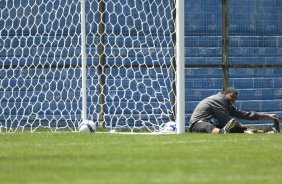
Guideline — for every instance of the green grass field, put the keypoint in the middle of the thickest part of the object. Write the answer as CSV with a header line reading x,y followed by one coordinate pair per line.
x,y
106,158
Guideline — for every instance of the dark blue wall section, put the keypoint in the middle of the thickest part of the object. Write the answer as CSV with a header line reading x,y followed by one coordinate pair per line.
x,y
254,39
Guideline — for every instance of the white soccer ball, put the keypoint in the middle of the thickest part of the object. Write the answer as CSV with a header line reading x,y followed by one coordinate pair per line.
x,y
87,126
169,127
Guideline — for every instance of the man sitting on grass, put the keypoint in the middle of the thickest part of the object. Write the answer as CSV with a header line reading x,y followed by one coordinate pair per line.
x,y
213,114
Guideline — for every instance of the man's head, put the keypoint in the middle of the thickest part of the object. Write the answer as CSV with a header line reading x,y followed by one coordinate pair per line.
x,y
231,95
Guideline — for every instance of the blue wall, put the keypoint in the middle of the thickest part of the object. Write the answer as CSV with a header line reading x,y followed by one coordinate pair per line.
x,y
254,38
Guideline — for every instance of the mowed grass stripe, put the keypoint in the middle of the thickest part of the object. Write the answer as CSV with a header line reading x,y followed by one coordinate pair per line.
x,y
107,158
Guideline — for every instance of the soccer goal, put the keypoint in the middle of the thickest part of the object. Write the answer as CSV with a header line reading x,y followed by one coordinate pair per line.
x,y
119,63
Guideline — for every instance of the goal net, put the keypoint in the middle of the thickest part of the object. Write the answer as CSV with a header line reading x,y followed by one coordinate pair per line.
x,y
130,64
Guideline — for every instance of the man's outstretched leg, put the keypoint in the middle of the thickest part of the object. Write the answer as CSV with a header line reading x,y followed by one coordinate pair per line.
x,y
227,128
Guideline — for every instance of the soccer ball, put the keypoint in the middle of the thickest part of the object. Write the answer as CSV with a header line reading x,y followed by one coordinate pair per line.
x,y
169,127
87,126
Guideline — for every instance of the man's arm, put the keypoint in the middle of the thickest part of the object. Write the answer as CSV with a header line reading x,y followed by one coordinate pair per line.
x,y
268,116
237,113
251,115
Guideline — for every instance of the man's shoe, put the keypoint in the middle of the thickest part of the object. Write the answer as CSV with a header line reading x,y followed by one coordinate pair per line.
x,y
276,126
229,126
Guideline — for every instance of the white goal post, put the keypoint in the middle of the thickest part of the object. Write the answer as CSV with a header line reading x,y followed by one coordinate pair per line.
x,y
180,67
119,63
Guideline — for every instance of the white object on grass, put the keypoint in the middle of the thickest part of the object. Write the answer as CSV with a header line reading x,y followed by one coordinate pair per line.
x,y
87,126
169,128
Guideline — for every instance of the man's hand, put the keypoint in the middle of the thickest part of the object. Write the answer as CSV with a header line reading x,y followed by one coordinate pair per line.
x,y
273,116
269,116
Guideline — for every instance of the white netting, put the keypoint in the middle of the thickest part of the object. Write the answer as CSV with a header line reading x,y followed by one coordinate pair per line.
x,y
40,70
137,44
130,51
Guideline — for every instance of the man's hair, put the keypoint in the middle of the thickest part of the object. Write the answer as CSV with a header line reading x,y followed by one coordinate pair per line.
x,y
231,90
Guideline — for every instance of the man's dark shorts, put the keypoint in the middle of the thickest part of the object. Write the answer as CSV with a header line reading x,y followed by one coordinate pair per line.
x,y
206,127
202,127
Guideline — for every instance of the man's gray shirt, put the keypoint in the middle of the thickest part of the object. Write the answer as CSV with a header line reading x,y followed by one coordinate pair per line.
x,y
216,106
